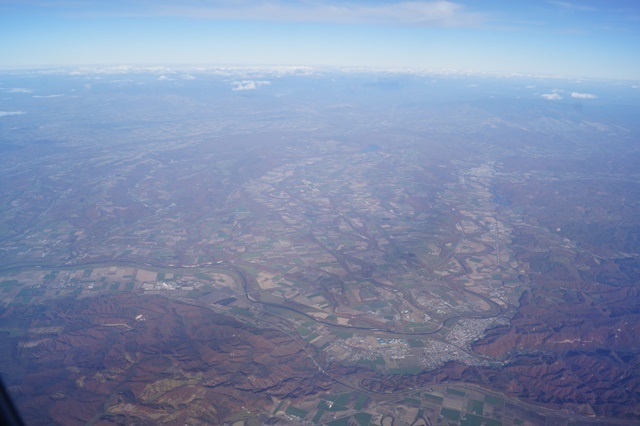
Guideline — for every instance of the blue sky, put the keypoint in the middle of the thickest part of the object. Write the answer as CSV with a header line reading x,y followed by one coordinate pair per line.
x,y
599,39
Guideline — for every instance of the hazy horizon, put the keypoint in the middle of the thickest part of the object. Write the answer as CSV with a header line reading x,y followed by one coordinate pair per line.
x,y
588,39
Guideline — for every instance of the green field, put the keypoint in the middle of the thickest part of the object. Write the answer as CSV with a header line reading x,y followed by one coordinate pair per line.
x,y
361,400
303,331
340,422
7,285
494,400
322,405
415,343
411,401
293,411
476,407
241,311
51,275
317,417
363,419
455,392
433,398
405,370
343,334
450,414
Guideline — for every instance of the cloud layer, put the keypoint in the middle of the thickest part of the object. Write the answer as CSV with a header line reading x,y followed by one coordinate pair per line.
x,y
573,7
441,13
7,113
551,96
18,90
583,95
248,84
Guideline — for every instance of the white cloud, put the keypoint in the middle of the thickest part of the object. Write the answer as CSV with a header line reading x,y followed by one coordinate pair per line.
x,y
431,13
551,96
573,6
192,72
248,84
583,95
18,90
163,78
7,113
530,87
46,96
635,86
439,13
120,69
